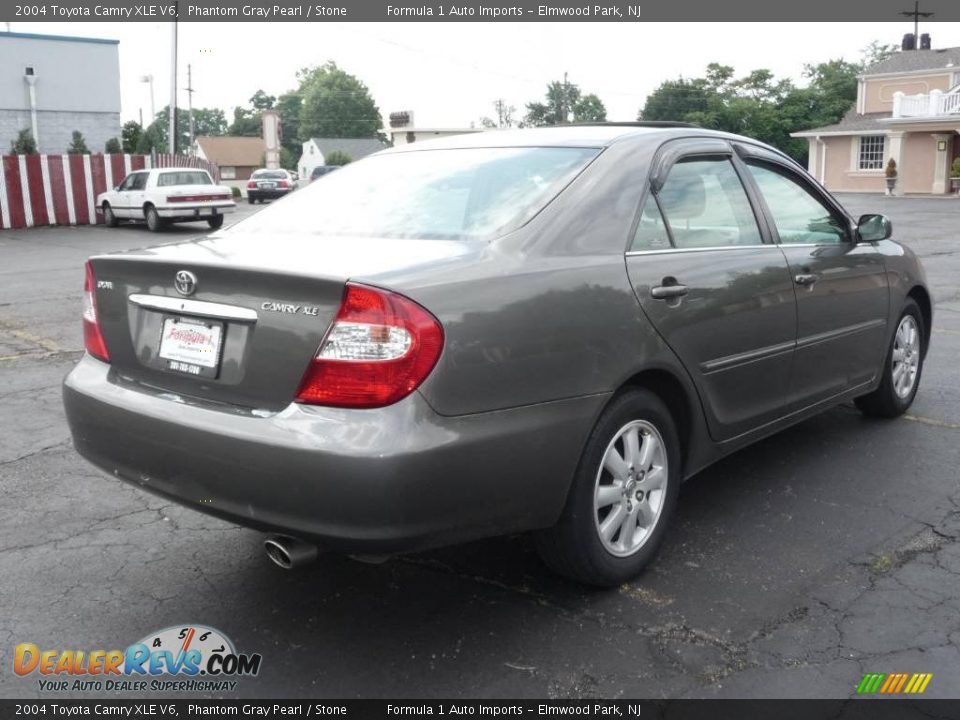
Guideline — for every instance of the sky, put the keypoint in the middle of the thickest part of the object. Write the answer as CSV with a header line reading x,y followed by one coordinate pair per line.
x,y
449,74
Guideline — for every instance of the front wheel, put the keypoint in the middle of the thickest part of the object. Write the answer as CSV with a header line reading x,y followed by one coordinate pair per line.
x,y
622,496
215,222
154,221
902,369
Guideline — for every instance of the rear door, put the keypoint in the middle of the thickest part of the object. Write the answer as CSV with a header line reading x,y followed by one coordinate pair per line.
x,y
841,286
714,285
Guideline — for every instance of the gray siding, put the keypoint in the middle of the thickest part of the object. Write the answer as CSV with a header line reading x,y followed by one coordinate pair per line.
x,y
56,129
77,87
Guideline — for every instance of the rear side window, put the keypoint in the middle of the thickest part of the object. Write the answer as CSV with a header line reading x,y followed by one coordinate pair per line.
x,y
184,177
456,194
800,218
705,205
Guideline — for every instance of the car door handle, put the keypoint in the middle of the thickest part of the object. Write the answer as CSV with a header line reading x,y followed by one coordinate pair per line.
x,y
665,292
806,278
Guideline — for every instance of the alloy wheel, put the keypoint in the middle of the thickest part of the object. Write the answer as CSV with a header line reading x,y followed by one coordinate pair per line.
x,y
630,488
906,356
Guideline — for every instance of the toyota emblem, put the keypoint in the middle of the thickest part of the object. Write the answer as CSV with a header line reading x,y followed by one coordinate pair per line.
x,y
185,282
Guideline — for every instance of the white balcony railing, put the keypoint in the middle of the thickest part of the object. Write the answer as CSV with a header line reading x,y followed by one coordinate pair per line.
x,y
934,104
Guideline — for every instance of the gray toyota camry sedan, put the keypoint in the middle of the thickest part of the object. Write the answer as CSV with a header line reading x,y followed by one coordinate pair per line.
x,y
537,330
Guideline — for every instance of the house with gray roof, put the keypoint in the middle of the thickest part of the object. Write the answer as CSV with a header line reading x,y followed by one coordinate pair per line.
x,y
907,109
316,150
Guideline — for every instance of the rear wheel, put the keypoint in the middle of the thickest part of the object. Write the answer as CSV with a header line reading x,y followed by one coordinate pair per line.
x,y
901,372
251,200
108,217
622,496
215,222
154,221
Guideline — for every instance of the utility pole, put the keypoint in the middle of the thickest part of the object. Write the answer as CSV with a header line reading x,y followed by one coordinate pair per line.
x,y
916,15
173,91
566,96
189,90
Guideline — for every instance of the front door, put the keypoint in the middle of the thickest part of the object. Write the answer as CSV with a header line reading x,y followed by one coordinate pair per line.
x,y
717,291
841,286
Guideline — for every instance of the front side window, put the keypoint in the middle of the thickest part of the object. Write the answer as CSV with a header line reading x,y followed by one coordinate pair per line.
x,y
139,181
798,215
184,177
128,181
705,205
870,156
457,194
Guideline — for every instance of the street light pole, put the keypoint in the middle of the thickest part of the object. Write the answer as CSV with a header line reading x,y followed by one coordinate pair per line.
x,y
153,107
173,92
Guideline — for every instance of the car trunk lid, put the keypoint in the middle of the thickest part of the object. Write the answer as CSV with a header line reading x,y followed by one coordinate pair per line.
x,y
248,317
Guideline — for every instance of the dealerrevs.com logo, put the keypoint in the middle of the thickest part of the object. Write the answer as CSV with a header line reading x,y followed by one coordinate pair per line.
x,y
184,658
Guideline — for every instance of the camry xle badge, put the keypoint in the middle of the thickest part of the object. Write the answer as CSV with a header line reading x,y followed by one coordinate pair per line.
x,y
290,308
185,282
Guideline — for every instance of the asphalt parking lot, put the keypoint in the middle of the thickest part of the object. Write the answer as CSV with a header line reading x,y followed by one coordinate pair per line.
x,y
793,567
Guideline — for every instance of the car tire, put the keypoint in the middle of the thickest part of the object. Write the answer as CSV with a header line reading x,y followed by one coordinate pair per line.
x,y
154,221
215,222
109,219
582,546
251,200
902,368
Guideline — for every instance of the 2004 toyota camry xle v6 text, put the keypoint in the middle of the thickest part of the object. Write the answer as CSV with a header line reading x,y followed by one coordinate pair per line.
x,y
536,330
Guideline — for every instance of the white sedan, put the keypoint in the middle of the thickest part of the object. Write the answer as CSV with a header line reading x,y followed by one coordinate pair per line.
x,y
166,195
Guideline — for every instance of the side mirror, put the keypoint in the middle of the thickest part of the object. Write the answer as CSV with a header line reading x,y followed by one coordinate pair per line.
x,y
873,228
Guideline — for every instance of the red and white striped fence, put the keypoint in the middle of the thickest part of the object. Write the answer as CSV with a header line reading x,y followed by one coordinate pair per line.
x,y
62,189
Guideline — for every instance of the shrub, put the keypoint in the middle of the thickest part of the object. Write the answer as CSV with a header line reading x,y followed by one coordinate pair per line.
x,y
235,191
337,157
955,168
24,144
112,147
78,146
891,171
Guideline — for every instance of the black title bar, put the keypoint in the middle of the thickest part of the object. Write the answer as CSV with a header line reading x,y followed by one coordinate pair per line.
x,y
472,11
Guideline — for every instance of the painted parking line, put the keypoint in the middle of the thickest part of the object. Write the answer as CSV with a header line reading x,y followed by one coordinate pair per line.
x,y
944,331
934,423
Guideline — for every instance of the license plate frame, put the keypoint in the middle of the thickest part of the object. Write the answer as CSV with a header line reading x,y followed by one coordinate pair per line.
x,y
178,357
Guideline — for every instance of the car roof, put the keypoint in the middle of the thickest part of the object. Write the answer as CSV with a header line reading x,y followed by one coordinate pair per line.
x,y
580,135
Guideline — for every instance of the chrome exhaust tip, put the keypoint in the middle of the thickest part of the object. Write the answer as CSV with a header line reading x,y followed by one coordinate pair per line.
x,y
289,553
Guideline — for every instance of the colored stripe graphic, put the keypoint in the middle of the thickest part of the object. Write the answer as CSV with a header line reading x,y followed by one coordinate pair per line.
x,y
894,683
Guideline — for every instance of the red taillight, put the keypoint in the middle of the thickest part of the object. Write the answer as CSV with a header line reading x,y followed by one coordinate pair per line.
x,y
92,337
251,184
283,184
378,350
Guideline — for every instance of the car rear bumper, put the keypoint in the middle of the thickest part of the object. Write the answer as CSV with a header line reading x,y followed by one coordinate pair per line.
x,y
195,212
386,480
268,194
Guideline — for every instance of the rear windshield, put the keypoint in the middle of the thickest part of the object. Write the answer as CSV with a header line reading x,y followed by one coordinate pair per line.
x,y
270,174
184,177
429,194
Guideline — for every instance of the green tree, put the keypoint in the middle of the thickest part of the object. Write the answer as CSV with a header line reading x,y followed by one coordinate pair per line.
x,y
589,108
112,147
130,134
261,101
78,146
206,121
565,103
24,144
151,141
336,104
246,123
337,157
289,105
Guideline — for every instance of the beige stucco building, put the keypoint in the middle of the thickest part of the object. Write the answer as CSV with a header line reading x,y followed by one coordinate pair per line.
x,y
908,109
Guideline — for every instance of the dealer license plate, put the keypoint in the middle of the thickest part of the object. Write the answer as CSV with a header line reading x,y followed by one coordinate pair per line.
x,y
190,345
